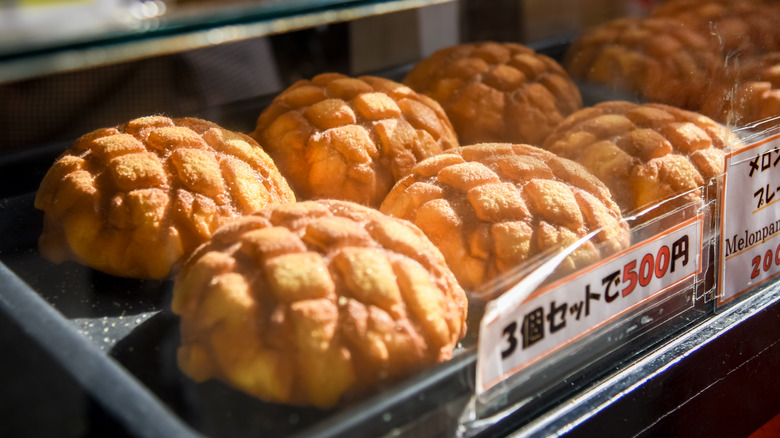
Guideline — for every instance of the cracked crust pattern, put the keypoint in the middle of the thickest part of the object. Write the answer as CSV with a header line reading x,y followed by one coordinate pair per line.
x,y
313,302
134,200
497,92
349,138
655,59
490,207
645,153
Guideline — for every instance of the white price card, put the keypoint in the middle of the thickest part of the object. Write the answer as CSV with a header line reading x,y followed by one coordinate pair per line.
x,y
516,333
750,219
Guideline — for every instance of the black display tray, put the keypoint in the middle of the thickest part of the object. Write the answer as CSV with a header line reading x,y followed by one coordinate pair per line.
x,y
118,338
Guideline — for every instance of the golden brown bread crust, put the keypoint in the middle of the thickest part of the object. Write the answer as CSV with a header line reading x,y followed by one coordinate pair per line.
x,y
497,92
489,207
644,153
748,93
310,302
351,138
737,28
656,59
135,199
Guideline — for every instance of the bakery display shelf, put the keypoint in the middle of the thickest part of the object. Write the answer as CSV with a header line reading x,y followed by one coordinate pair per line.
x,y
117,338
176,28
674,366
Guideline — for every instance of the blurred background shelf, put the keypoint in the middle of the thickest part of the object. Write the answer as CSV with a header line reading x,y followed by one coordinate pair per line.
x,y
45,39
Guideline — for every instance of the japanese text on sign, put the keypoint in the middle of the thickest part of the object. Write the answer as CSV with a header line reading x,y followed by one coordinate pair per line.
x,y
570,308
750,220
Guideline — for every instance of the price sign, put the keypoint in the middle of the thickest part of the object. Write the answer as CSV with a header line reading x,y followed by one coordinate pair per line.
x,y
750,219
513,336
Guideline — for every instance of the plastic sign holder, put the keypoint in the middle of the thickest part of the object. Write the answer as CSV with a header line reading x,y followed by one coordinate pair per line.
x,y
513,337
544,334
749,241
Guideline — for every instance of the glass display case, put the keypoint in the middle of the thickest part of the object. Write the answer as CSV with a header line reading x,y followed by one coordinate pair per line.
x,y
678,329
